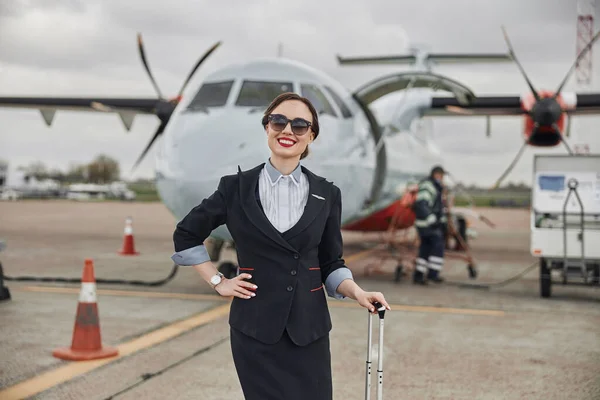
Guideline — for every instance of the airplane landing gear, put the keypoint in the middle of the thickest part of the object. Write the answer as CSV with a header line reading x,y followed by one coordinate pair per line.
x,y
228,269
214,249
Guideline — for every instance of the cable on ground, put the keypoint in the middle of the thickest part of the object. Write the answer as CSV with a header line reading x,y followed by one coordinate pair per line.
x,y
488,286
98,280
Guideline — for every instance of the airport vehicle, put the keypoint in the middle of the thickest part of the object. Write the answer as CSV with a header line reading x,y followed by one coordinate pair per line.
x,y
113,190
209,131
565,219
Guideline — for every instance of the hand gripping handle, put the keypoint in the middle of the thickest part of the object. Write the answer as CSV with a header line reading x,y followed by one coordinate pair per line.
x,y
380,309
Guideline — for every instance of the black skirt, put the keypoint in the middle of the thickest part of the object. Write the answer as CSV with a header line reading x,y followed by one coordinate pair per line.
x,y
282,371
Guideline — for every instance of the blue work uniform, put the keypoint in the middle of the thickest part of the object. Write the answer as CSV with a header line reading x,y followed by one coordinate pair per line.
x,y
430,222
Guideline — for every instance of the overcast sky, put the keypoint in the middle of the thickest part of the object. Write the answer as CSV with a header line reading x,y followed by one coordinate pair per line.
x,y
88,48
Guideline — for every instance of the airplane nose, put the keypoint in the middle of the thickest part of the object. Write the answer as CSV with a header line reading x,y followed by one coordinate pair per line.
x,y
199,149
200,144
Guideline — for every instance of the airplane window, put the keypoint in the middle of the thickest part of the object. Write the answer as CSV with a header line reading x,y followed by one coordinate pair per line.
x,y
213,94
261,94
317,98
346,113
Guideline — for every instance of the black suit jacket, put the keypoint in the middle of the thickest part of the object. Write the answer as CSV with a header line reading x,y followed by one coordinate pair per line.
x,y
289,268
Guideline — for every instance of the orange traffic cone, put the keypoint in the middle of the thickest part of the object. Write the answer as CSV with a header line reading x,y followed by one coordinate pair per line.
x,y
87,343
128,245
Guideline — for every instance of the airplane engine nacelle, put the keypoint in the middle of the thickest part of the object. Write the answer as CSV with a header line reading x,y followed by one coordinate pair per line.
x,y
547,131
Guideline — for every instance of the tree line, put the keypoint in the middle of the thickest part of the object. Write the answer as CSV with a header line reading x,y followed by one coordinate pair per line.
x,y
102,169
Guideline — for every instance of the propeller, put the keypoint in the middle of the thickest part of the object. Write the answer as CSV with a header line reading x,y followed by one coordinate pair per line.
x,y
164,107
546,111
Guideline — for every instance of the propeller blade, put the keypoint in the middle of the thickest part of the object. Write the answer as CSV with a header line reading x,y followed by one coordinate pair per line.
x,y
511,166
569,116
562,138
514,57
158,132
582,53
145,62
204,57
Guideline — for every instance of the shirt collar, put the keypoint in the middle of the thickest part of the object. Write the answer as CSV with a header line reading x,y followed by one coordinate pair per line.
x,y
275,175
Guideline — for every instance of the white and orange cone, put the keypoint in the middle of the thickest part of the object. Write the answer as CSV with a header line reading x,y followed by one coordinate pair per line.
x,y
128,242
87,341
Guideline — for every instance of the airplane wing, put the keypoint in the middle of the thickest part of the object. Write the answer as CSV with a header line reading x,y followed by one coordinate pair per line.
x,y
437,58
578,104
464,101
126,108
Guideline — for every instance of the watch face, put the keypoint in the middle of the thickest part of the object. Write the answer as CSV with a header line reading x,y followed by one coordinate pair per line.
x,y
215,280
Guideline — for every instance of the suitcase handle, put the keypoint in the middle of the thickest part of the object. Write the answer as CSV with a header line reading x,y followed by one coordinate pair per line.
x,y
381,311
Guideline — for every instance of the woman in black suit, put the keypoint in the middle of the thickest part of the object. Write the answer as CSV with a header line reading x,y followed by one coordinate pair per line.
x,y
285,222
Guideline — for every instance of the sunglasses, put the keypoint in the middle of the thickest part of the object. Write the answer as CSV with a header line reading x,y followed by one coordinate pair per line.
x,y
278,123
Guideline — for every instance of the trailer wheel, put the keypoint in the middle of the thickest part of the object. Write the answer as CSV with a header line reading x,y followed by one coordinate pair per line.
x,y
545,278
462,231
398,273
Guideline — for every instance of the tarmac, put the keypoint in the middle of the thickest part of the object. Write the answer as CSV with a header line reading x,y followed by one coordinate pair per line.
x,y
441,341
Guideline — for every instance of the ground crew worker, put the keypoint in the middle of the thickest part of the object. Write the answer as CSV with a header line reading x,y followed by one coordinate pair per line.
x,y
430,222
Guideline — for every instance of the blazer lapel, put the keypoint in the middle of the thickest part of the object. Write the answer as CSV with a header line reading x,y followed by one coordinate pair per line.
x,y
247,184
318,191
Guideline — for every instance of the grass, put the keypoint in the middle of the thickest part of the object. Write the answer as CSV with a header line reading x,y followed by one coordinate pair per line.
x,y
520,201
144,191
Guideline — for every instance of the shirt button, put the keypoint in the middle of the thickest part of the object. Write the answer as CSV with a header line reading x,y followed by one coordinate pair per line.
x,y
296,256
289,288
294,272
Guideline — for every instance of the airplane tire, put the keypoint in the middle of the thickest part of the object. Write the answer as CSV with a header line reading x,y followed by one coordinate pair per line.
x,y
228,269
545,279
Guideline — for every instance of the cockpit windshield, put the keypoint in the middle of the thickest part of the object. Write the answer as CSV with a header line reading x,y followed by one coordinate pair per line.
x,y
346,113
212,94
317,98
261,94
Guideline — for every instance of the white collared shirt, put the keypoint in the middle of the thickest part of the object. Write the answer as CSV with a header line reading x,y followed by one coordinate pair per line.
x,y
283,197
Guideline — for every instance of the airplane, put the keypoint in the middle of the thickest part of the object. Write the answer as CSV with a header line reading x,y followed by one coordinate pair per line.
x,y
210,130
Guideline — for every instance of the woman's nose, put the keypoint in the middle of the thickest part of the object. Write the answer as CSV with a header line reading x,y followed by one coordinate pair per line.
x,y
287,129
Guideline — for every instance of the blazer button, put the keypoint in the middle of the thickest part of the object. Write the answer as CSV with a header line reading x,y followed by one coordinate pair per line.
x,y
289,288
294,272
296,256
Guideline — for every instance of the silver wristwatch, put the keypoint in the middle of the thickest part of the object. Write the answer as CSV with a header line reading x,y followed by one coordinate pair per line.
x,y
216,279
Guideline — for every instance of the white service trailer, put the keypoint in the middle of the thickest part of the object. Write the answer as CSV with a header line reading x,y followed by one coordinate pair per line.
x,y
565,218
